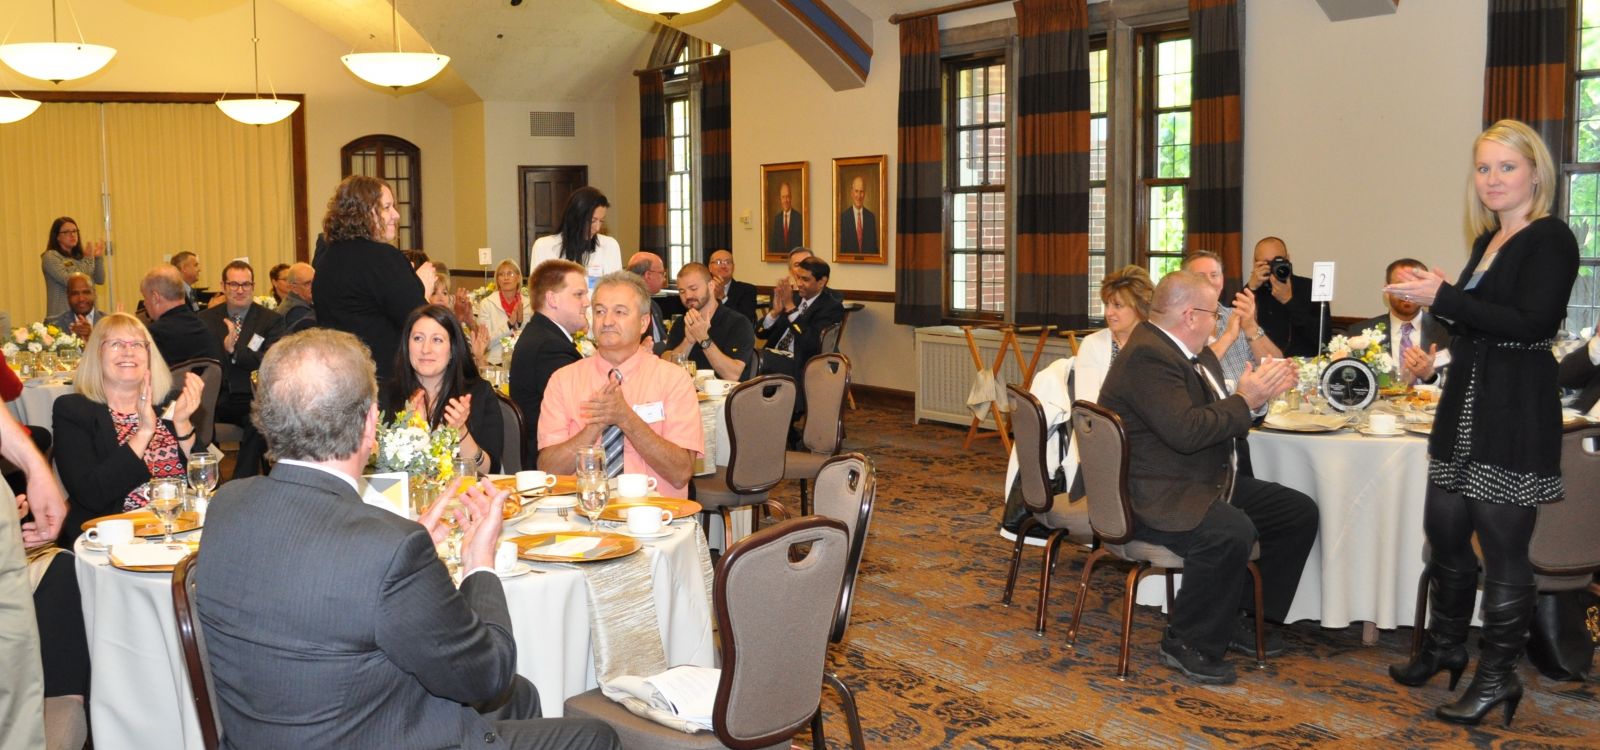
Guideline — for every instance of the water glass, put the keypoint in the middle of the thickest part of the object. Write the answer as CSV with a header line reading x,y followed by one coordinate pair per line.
x,y
166,500
48,363
203,474
593,494
69,359
591,460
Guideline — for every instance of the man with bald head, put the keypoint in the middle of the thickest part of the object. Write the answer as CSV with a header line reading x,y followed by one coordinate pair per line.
x,y
736,295
297,309
858,226
650,268
788,230
81,315
1284,308
1187,495
178,332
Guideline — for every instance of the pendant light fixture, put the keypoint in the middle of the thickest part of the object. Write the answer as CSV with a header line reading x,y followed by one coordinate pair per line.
x,y
14,108
257,111
667,8
55,60
396,69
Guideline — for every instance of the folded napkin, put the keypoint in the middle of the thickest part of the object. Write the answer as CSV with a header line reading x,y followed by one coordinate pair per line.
x,y
581,547
138,555
682,697
1295,420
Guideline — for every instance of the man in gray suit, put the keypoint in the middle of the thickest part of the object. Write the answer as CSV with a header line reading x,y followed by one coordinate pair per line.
x,y
1186,492
332,623
81,315
1414,336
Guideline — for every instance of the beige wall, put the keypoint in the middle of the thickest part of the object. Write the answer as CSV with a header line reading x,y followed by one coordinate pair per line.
x,y
1357,137
471,207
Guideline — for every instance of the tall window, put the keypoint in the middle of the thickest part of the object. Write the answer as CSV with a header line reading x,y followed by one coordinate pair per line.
x,y
1099,62
1583,171
1164,121
398,162
976,232
680,184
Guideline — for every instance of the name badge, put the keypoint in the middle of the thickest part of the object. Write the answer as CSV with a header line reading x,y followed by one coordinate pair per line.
x,y
651,413
255,342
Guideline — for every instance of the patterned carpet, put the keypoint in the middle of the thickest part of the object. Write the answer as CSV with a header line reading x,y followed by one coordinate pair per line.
x,y
936,662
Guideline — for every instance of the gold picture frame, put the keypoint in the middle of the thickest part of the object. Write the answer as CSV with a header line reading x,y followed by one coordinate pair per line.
x,y
795,176
866,241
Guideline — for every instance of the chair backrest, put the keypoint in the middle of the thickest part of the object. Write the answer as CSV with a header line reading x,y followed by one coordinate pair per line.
x,y
514,447
1564,535
205,416
829,340
191,638
826,378
775,604
1028,435
1103,462
758,412
845,490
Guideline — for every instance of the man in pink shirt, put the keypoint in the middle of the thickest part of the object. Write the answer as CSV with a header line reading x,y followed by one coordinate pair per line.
x,y
650,401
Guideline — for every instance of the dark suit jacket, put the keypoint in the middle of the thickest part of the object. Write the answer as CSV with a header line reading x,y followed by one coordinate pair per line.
x,y
181,335
1180,437
658,329
1433,332
331,623
741,298
797,233
1577,371
825,311
847,232
367,288
236,368
297,313
65,320
96,471
542,349
1294,327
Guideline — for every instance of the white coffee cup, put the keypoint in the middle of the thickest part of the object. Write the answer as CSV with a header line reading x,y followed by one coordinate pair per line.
x,y
110,532
702,376
528,481
505,557
1381,423
648,519
635,485
718,388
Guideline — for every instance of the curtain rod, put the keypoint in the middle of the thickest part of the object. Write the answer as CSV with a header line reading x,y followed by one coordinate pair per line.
x,y
695,61
898,18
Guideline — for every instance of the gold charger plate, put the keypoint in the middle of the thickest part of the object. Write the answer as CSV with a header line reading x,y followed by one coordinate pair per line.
x,y
680,508
1418,428
566,484
145,523
611,547
191,545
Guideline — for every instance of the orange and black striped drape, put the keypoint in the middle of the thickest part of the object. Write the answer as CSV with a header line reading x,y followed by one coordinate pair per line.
x,y
919,215
1525,73
652,164
716,156
1216,177
1052,180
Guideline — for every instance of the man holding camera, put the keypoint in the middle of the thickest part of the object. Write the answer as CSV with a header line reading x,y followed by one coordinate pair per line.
x,y
1284,308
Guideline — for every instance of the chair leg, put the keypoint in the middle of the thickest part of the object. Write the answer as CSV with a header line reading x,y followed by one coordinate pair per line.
x,y
775,508
1420,621
1083,593
1016,558
1170,592
818,742
852,715
805,499
727,526
1261,618
1127,617
1046,571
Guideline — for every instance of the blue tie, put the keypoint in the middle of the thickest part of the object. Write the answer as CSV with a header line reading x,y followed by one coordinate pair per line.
x,y
611,440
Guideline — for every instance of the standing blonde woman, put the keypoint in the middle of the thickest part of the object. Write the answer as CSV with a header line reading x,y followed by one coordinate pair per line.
x,y
1495,451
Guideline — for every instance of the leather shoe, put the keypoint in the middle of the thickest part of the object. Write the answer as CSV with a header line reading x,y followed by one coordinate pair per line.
x,y
1244,639
1193,664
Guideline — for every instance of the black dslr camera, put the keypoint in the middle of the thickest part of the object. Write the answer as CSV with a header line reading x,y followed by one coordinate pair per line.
x,y
1280,268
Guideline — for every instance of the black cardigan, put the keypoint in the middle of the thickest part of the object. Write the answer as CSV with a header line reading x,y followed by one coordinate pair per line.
x,y
367,288
484,420
96,471
1501,330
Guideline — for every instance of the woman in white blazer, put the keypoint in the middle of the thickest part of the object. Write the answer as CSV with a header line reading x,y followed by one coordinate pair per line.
x,y
505,310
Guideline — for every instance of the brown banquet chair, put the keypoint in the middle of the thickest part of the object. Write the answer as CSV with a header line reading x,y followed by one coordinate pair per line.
x,y
515,442
192,639
846,490
825,379
758,413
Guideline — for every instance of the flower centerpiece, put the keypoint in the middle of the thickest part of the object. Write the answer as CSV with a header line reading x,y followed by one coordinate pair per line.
x,y
40,338
1370,347
584,343
268,301
406,445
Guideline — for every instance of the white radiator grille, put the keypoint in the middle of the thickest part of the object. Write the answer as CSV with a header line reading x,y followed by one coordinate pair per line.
x,y
945,371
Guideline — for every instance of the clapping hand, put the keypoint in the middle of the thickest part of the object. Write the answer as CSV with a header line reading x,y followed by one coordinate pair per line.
x,y
94,249
147,408
1258,385
696,325
1418,364
231,339
782,296
605,407
1244,307
81,327
479,516
183,407
456,411
1416,285
418,402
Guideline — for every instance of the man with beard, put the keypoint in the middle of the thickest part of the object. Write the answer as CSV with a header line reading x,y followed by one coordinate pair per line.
x,y
715,337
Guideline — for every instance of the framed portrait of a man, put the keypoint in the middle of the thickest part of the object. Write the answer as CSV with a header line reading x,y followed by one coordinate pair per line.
x,y
860,203
784,208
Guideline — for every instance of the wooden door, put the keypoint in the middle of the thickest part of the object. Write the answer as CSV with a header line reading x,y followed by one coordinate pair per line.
x,y
542,195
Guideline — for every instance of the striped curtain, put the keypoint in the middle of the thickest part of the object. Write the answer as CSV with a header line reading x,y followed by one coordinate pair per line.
x,y
1216,178
919,216
652,164
1052,181
1524,77
716,160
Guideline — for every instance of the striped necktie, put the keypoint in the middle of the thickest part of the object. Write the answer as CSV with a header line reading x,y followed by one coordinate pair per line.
x,y
611,440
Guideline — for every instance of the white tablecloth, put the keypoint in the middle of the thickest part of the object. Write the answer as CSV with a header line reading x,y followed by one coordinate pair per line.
x,y
36,405
1369,492
714,424
141,693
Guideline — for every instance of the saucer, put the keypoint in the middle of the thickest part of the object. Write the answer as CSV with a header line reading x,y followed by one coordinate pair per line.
x,y
665,531
1369,432
557,502
98,547
521,569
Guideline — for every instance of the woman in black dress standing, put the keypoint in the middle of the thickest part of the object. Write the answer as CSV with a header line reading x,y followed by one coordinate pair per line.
x,y
1495,451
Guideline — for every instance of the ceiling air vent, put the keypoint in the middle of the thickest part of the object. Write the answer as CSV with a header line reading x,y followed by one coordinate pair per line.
x,y
552,124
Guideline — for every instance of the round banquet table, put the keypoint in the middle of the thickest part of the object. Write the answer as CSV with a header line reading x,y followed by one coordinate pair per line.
x,y
1369,492
36,405
141,691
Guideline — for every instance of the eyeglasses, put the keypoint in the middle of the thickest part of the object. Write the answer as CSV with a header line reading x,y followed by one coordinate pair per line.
x,y
119,345
1215,312
239,286
722,262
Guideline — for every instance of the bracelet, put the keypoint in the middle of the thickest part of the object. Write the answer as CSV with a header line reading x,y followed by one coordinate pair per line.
x,y
478,459
186,435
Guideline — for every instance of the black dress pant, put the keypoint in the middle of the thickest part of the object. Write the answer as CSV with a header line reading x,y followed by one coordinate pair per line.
x,y
1215,553
518,725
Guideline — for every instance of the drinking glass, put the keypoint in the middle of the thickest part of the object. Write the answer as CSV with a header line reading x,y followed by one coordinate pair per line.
x,y
203,475
165,501
25,361
593,494
69,359
48,363
464,468
452,518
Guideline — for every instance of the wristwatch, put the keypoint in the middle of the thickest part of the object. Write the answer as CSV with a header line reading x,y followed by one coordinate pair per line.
x,y
1258,334
705,344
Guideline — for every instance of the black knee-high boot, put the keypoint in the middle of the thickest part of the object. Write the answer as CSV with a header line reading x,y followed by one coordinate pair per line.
x,y
1444,646
1507,611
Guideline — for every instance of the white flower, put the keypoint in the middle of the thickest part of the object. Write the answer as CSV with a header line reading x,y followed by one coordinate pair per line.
x,y
1359,343
267,301
1384,363
38,328
585,348
35,347
10,349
